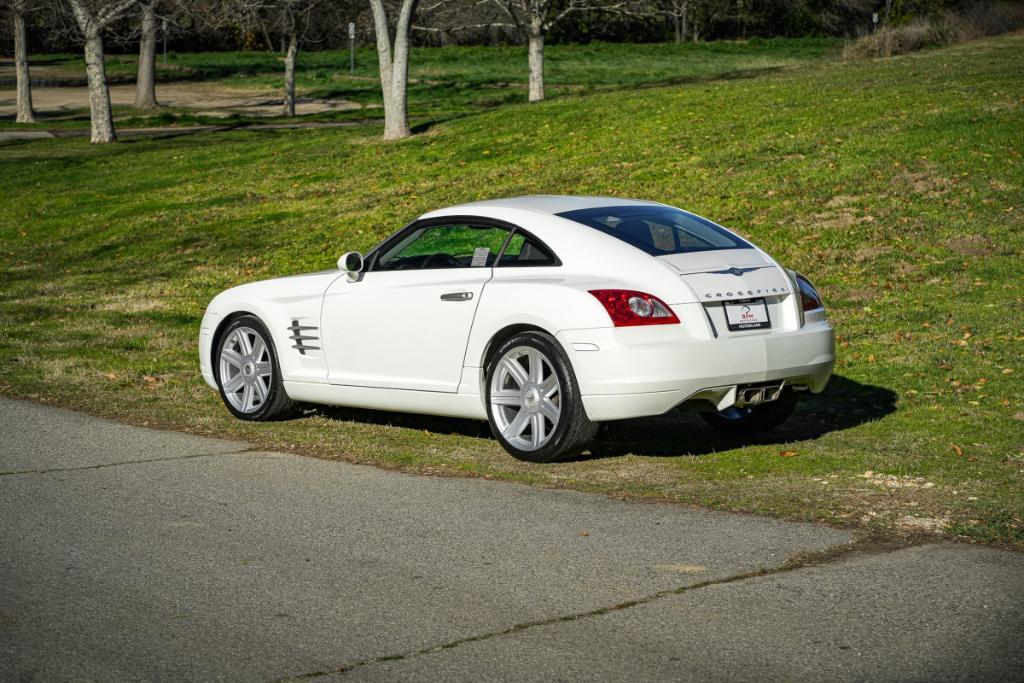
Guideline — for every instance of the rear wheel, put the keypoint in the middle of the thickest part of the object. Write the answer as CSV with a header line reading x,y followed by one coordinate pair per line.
x,y
533,402
753,419
247,371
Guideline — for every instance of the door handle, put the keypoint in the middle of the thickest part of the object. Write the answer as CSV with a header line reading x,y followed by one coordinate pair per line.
x,y
457,296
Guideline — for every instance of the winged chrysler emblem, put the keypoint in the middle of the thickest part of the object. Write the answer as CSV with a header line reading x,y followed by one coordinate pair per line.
x,y
736,271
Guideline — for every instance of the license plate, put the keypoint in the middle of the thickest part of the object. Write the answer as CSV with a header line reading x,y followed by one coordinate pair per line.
x,y
747,314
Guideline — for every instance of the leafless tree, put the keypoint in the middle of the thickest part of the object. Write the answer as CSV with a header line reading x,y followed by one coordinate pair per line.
x,y
93,17
678,14
393,57
292,20
19,8
531,20
145,82
295,19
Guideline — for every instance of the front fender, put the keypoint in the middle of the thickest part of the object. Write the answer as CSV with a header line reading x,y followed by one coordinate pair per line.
x,y
278,304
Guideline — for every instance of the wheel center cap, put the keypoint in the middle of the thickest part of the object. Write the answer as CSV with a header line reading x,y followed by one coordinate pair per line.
x,y
249,369
531,398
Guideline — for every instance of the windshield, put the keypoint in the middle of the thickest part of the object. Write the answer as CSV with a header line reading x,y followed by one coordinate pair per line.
x,y
658,230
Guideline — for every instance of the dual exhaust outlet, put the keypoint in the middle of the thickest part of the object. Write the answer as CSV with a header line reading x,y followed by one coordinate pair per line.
x,y
756,395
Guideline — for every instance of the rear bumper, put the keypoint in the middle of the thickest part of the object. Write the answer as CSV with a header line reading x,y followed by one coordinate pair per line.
x,y
649,370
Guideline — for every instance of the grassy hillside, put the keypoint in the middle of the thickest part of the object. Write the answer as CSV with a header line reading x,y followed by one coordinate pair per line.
x,y
897,186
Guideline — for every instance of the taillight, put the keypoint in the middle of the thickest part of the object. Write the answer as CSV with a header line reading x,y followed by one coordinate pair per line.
x,y
627,307
809,297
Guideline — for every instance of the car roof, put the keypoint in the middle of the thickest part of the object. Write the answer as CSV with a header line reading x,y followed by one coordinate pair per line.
x,y
549,204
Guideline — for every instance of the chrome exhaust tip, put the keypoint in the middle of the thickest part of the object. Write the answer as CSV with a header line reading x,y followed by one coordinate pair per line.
x,y
756,395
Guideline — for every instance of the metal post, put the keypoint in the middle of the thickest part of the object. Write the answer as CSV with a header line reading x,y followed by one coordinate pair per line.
x,y
351,48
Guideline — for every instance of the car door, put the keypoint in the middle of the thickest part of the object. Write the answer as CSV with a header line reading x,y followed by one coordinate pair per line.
x,y
405,323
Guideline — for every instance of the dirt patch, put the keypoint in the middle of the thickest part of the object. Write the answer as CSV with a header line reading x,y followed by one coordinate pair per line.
x,y
861,295
935,525
922,183
843,218
971,245
132,304
892,481
904,268
208,99
841,200
869,253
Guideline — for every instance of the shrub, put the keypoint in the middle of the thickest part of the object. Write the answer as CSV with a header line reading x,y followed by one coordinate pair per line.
x,y
977,21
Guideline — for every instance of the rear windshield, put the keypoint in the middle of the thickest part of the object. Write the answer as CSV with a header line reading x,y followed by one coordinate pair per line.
x,y
658,230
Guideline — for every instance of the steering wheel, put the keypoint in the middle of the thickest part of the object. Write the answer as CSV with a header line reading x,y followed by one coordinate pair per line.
x,y
435,260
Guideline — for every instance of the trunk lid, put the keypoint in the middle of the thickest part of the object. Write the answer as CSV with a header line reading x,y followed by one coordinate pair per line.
x,y
729,274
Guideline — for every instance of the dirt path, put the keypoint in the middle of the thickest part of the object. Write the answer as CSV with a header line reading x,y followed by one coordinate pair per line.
x,y
172,131
208,99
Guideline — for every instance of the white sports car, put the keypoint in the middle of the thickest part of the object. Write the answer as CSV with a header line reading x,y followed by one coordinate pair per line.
x,y
544,315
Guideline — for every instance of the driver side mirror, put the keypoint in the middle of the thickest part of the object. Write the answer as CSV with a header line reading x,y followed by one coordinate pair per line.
x,y
352,264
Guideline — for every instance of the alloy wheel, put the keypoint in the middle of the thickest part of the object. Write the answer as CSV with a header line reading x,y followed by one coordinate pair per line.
x,y
525,397
246,369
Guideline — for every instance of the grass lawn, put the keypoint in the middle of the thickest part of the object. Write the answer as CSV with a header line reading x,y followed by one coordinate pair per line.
x,y
896,185
446,82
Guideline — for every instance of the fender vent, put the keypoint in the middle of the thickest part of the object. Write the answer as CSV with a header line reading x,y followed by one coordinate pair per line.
x,y
300,339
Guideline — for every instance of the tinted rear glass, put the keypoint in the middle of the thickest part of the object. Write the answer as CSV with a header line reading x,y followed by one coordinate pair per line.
x,y
658,230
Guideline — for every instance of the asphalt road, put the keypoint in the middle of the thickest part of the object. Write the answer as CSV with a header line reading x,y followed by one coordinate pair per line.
x,y
128,553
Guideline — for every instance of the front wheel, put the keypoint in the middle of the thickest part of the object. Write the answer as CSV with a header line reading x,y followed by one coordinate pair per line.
x,y
753,419
533,401
247,371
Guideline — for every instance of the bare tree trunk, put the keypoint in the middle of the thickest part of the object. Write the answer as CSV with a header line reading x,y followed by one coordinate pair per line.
x,y
677,31
536,59
102,118
289,72
145,83
396,126
394,67
684,22
24,81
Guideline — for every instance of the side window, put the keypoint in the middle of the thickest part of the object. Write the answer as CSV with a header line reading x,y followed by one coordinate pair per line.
x,y
445,246
524,251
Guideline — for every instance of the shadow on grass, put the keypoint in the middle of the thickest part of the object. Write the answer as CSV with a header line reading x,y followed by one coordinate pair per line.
x,y
844,404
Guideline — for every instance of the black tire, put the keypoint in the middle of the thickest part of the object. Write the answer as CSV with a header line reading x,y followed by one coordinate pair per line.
x,y
574,429
755,419
277,404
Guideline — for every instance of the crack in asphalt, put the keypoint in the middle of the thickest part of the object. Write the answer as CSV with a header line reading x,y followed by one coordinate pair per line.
x,y
104,465
799,561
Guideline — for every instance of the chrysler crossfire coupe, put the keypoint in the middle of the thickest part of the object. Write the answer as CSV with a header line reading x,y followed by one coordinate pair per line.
x,y
543,315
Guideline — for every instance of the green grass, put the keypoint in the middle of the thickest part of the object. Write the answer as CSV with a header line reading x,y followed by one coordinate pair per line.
x,y
451,81
896,185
